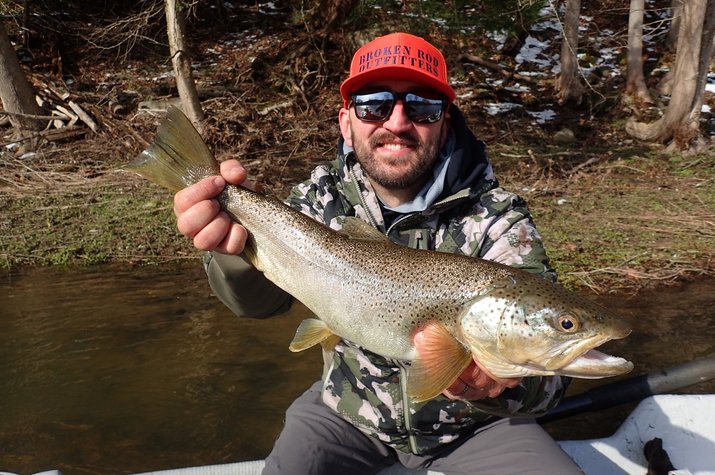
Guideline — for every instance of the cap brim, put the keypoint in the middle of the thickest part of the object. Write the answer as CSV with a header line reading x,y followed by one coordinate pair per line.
x,y
355,83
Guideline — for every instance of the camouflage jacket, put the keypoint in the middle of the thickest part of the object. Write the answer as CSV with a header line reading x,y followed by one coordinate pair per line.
x,y
472,216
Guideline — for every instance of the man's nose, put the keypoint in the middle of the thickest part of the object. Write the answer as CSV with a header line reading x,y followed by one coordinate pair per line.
x,y
398,120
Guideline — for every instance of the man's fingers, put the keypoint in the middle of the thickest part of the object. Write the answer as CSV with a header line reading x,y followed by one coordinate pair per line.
x,y
462,390
191,222
476,383
233,172
235,240
199,216
213,233
204,190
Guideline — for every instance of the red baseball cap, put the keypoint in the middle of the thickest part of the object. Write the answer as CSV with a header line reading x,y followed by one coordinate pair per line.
x,y
398,56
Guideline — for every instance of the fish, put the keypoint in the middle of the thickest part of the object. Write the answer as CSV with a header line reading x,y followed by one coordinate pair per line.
x,y
376,294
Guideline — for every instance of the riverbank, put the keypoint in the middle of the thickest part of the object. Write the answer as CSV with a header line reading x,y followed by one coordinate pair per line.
x,y
615,218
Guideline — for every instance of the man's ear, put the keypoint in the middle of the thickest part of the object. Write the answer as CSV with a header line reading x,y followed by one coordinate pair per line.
x,y
344,121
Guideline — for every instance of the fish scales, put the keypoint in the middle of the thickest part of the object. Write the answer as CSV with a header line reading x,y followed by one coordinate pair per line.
x,y
378,280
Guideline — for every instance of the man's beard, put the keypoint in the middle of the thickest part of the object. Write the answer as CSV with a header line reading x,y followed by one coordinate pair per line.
x,y
420,161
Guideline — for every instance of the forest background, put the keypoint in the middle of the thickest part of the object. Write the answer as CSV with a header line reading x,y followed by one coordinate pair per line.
x,y
581,106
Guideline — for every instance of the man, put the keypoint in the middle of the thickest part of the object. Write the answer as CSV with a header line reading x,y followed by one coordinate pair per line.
x,y
408,165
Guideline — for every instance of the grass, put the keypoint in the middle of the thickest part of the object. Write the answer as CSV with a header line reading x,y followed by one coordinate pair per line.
x,y
630,222
107,223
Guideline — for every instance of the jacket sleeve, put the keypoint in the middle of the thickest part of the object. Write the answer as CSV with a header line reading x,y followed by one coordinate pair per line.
x,y
243,288
510,235
534,397
319,198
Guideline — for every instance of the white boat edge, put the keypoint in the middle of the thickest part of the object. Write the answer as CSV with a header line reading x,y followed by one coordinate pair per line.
x,y
685,423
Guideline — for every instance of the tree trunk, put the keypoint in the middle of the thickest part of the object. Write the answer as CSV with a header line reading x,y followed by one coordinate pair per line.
x,y
695,46
706,55
25,23
635,81
677,11
327,15
568,86
16,93
182,65
665,85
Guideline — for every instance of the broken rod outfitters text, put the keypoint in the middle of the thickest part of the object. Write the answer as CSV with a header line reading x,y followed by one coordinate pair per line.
x,y
400,55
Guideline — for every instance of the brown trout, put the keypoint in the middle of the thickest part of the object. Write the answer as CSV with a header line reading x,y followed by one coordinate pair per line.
x,y
377,294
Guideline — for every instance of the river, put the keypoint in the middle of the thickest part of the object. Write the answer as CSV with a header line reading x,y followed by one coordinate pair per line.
x,y
119,370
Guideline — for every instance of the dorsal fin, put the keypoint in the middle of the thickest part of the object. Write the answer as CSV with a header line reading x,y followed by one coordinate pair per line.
x,y
356,228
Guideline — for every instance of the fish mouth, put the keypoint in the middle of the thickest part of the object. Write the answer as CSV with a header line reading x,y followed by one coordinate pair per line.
x,y
596,364
581,359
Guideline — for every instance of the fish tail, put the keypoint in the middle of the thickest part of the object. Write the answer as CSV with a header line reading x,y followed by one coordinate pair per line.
x,y
178,157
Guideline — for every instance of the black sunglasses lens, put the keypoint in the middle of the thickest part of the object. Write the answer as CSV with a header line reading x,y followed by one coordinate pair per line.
x,y
377,107
374,107
423,110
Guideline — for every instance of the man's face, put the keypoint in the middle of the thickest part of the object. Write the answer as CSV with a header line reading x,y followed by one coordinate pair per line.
x,y
398,153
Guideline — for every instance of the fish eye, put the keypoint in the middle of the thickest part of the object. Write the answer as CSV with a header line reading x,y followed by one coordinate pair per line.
x,y
568,323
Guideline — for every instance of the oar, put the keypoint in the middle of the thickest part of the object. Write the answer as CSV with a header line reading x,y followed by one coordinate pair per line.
x,y
634,389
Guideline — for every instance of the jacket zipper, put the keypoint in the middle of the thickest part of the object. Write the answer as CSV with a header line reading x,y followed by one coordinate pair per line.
x,y
406,414
455,197
370,217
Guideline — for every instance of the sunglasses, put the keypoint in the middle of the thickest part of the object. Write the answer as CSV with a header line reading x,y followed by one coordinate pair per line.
x,y
377,106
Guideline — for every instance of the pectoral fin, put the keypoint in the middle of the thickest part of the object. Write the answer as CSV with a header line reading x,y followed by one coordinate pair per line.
x,y
310,332
441,359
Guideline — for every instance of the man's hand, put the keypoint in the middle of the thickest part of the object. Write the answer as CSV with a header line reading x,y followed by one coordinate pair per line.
x,y
199,215
476,382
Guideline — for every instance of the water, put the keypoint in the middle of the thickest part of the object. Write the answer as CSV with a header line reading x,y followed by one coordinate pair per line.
x,y
121,370
125,370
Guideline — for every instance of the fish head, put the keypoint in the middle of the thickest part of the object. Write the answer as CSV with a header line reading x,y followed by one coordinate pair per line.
x,y
525,326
